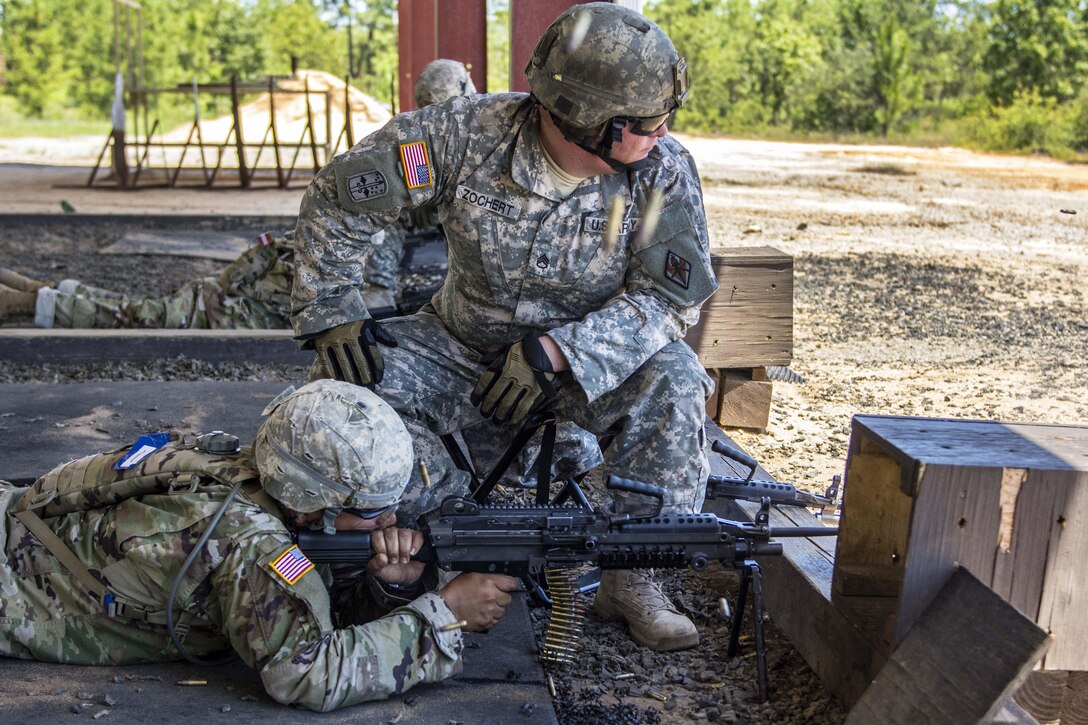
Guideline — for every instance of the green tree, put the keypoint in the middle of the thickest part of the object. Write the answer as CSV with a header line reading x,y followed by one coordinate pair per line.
x,y
35,47
1037,45
713,37
893,78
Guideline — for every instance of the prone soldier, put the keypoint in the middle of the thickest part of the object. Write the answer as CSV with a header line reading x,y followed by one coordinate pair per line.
x,y
183,547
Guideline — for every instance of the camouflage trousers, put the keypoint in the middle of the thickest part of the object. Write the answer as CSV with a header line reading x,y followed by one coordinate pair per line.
x,y
656,416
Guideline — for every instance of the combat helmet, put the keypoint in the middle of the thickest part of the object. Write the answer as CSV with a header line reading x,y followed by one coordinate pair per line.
x,y
332,445
600,65
441,79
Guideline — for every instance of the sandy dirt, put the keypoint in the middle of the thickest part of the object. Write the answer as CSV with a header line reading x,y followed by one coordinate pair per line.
x,y
928,282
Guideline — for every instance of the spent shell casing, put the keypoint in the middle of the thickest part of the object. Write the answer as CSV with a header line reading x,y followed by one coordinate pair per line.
x,y
454,625
192,683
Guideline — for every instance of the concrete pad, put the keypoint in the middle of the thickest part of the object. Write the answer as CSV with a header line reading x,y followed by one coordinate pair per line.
x,y
43,425
225,246
36,693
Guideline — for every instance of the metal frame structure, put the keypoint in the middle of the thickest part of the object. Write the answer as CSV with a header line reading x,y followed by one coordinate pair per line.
x,y
130,165
131,155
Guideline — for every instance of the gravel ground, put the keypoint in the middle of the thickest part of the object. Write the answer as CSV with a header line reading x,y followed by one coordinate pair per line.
x,y
933,283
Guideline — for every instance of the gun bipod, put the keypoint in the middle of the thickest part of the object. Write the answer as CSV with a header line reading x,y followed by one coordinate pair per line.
x,y
754,577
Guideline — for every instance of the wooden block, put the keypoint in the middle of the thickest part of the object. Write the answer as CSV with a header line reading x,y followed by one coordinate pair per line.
x,y
748,322
959,663
1055,697
1007,501
1012,714
744,402
1042,694
714,402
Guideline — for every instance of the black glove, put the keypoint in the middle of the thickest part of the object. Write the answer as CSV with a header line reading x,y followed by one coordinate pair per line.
x,y
350,352
518,380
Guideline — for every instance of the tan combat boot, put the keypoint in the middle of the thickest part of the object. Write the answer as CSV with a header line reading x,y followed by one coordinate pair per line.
x,y
652,620
19,283
16,302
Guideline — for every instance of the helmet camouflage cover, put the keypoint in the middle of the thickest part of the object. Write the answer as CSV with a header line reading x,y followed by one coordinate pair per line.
x,y
333,445
600,61
442,79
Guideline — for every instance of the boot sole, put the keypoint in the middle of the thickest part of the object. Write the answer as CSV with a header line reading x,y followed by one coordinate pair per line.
x,y
666,644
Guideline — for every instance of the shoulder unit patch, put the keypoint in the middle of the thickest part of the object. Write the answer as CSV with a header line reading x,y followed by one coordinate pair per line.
x,y
417,164
291,565
367,185
677,269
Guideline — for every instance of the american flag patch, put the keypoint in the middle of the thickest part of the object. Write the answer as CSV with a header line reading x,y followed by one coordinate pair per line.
x,y
417,167
291,565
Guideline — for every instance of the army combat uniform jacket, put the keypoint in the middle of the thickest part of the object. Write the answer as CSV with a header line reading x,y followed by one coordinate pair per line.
x,y
250,589
521,258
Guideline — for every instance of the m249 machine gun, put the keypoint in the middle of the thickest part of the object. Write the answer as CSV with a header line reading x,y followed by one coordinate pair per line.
x,y
553,541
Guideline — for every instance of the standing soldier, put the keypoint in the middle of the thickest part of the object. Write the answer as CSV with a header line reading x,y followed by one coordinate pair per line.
x,y
566,288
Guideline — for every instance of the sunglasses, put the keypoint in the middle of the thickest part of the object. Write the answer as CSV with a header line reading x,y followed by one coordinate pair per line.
x,y
648,126
368,514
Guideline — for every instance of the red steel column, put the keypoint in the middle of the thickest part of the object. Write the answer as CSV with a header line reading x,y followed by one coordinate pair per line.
x,y
462,35
528,21
430,29
417,45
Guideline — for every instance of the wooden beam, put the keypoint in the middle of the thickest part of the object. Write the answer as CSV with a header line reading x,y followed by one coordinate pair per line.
x,y
959,663
75,347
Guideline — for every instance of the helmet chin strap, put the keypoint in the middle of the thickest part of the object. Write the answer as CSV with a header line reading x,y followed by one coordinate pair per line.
x,y
613,132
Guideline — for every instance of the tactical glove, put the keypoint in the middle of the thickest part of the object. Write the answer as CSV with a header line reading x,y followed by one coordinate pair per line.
x,y
517,381
350,352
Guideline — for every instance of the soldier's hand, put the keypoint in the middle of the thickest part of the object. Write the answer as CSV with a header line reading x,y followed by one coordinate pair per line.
x,y
517,381
391,552
479,599
351,352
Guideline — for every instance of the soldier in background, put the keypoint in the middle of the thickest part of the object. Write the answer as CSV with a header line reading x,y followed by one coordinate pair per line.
x,y
440,79
254,291
566,289
92,551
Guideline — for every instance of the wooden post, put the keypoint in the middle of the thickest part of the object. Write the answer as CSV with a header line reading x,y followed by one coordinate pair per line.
x,y
239,144
469,43
280,180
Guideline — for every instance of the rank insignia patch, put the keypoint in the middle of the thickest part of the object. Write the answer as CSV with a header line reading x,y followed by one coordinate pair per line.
x,y
367,185
677,269
417,165
291,565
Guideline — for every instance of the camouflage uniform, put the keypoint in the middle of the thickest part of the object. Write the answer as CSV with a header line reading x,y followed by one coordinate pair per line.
x,y
522,260
230,598
253,292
